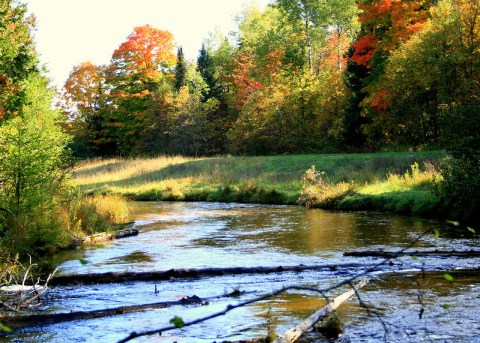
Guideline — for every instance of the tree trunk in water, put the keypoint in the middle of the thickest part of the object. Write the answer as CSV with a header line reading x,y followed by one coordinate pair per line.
x,y
18,322
295,333
419,253
111,277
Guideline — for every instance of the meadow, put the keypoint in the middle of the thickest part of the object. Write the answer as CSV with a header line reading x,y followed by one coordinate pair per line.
x,y
392,181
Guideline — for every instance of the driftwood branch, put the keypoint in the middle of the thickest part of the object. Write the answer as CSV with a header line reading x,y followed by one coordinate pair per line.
x,y
18,322
111,277
418,253
296,332
105,236
15,294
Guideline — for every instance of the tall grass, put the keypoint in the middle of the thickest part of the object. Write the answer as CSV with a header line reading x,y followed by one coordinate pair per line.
x,y
413,192
261,179
96,213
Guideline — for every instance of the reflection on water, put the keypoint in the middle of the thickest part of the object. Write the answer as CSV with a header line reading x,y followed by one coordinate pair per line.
x,y
197,235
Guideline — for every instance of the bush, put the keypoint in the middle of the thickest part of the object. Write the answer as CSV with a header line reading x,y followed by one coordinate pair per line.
x,y
318,190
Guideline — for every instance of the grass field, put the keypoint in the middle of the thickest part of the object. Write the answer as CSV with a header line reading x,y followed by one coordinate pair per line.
x,y
377,178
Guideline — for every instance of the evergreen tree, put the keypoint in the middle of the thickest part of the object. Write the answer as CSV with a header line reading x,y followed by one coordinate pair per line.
x,y
207,69
18,58
33,153
180,70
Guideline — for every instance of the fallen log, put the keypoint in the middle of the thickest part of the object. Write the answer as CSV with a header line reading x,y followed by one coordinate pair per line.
x,y
419,253
113,277
125,233
36,320
296,332
107,236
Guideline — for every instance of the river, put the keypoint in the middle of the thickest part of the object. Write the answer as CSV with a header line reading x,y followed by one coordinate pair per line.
x,y
405,304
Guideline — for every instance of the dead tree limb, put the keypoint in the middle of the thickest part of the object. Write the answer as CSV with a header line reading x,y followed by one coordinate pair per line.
x,y
105,236
296,332
18,322
112,277
418,253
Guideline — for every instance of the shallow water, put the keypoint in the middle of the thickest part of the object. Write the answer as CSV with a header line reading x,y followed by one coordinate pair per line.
x,y
199,235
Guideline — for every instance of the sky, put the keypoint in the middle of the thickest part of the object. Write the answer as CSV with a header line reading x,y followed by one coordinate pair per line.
x,y
70,32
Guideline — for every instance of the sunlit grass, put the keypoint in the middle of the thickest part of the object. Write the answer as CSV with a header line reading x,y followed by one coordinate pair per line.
x,y
99,171
112,208
411,179
266,179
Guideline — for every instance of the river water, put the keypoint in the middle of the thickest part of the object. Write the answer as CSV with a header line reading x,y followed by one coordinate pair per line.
x,y
405,304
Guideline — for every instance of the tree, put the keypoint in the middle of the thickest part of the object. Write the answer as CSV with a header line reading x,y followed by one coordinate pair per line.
x,y
306,13
193,130
138,67
180,70
33,173
18,57
341,17
83,100
385,25
207,69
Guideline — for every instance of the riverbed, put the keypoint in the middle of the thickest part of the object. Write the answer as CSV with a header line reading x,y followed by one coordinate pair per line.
x,y
408,298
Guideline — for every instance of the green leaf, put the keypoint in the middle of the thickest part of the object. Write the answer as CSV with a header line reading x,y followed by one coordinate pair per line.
x,y
448,277
436,233
5,328
454,223
471,230
177,321
415,258
83,261
446,306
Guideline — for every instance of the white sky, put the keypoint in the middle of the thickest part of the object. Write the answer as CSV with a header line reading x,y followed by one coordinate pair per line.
x,y
70,32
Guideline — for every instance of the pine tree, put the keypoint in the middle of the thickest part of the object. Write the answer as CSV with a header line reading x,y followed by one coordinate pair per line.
x,y
207,69
180,70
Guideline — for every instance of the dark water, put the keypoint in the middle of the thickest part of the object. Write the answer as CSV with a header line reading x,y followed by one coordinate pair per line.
x,y
198,235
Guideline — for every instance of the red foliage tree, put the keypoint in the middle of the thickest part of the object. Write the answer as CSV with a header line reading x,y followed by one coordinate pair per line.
x,y
385,24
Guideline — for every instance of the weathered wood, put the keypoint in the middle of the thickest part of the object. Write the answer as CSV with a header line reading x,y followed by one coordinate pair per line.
x,y
107,236
18,322
419,253
111,277
296,332
125,233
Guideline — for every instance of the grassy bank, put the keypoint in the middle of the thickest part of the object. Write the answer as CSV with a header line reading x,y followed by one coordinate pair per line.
x,y
270,179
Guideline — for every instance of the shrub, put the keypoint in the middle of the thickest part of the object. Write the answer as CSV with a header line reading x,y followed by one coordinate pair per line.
x,y
318,190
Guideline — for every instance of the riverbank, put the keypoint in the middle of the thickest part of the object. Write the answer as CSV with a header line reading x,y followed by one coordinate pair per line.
x,y
381,181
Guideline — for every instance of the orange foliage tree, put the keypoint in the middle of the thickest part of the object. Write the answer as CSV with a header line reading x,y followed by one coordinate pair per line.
x,y
83,98
138,67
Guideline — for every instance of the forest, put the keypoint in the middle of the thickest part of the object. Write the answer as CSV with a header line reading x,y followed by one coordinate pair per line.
x,y
302,76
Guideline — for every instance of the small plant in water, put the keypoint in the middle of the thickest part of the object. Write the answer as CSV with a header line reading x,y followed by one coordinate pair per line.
x,y
331,326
